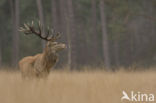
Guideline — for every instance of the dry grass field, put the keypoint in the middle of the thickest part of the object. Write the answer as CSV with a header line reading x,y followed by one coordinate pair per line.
x,y
75,87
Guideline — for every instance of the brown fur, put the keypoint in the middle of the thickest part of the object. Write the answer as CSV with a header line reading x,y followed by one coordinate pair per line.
x,y
40,64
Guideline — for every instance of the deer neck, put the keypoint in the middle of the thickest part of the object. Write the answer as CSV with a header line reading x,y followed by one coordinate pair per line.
x,y
49,58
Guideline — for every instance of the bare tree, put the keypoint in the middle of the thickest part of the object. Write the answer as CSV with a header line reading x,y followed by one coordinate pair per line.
x,y
62,26
68,33
41,17
104,36
71,34
56,16
0,54
116,53
94,31
63,15
66,12
15,24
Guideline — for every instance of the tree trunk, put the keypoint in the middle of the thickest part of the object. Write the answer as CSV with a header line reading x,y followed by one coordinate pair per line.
x,y
66,29
41,17
64,25
94,44
116,53
1,55
15,24
68,33
104,36
54,15
71,34
63,15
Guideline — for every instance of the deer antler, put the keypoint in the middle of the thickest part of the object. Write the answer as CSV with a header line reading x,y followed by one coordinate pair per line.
x,y
29,29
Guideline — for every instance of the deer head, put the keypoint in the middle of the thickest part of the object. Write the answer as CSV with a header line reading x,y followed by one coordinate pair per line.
x,y
51,45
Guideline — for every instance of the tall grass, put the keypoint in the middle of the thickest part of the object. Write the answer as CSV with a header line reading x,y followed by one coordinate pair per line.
x,y
75,87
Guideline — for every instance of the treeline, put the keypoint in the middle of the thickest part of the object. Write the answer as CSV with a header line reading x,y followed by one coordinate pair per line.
x,y
112,33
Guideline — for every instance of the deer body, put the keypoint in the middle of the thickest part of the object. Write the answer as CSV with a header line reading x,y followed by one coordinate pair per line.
x,y
40,64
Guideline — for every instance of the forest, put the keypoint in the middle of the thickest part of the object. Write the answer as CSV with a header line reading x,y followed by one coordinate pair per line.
x,y
107,51
109,33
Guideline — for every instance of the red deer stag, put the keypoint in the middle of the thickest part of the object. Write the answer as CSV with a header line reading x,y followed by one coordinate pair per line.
x,y
40,64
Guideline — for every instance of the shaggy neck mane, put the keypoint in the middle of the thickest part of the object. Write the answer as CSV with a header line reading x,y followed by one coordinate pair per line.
x,y
49,58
